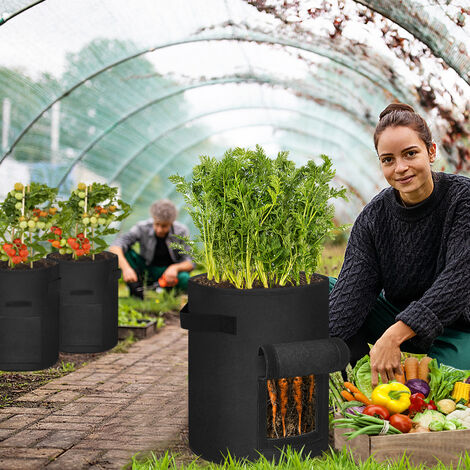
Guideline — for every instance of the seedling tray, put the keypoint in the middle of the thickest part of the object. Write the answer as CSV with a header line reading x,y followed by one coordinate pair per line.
x,y
421,448
145,330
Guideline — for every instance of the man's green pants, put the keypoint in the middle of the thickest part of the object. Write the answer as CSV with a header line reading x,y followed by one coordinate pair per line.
x,y
151,274
452,347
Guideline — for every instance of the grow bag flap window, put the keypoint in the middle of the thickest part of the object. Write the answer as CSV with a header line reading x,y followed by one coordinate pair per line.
x,y
299,358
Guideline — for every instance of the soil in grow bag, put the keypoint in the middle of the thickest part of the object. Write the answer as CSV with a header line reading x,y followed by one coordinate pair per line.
x,y
29,321
88,302
290,406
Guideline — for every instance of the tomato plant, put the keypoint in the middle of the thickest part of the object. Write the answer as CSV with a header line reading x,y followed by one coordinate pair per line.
x,y
86,218
26,214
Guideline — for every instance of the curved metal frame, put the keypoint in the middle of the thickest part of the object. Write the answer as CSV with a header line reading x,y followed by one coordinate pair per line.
x,y
170,95
210,113
171,157
231,37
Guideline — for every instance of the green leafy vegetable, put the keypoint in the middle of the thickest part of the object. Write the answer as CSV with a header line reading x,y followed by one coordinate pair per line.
x,y
442,380
259,219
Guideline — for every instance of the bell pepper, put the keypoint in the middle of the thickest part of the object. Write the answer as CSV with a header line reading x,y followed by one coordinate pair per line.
x,y
394,396
431,405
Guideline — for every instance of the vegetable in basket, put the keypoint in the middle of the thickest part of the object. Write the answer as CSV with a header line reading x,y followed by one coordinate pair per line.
x,y
394,396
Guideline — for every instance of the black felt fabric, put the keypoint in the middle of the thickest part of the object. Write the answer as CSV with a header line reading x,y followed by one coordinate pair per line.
x,y
227,393
418,255
320,356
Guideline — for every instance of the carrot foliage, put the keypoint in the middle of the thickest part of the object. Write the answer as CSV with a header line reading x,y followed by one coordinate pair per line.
x,y
259,219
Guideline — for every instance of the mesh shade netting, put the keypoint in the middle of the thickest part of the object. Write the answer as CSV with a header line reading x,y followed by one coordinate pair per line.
x,y
108,91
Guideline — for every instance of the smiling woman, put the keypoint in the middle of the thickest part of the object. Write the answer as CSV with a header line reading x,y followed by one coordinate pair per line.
x,y
404,281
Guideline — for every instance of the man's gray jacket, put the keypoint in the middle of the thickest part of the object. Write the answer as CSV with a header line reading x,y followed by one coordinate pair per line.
x,y
144,233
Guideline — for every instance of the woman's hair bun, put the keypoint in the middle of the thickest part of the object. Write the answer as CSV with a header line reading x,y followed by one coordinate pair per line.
x,y
396,107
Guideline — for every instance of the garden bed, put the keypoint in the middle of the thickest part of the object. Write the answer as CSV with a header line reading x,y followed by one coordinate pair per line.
x,y
145,329
421,448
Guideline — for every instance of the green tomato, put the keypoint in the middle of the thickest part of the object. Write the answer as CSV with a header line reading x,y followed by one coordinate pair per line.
x,y
23,224
63,242
18,205
62,251
4,257
19,196
93,219
81,195
81,203
31,223
68,250
101,220
86,221
41,225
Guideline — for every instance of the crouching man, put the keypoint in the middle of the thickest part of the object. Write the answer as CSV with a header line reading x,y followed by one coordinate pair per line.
x,y
156,257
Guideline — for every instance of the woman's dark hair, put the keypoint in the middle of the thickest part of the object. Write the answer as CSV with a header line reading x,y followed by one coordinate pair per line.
x,y
401,114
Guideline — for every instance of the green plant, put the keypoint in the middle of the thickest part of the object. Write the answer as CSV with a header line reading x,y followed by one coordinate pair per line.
x,y
67,366
25,216
129,316
259,219
86,217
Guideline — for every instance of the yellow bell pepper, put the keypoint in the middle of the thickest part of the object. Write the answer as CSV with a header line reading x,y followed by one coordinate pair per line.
x,y
394,396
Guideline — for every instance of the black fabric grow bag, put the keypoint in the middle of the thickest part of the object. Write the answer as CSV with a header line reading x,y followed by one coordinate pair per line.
x,y
88,303
29,317
237,340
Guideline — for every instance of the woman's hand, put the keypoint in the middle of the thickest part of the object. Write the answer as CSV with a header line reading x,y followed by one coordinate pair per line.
x,y
385,355
385,359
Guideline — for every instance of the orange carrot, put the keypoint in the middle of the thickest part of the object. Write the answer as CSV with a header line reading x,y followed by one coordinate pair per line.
x,y
400,378
273,398
298,398
283,387
346,395
312,386
359,396
351,387
423,368
411,368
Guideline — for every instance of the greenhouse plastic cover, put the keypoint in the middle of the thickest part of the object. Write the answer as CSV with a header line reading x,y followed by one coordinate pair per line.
x,y
129,93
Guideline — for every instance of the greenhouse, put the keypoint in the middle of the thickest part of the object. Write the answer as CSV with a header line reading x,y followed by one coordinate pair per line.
x,y
125,98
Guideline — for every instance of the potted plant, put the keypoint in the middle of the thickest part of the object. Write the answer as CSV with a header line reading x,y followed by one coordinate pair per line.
x,y
259,349
28,282
89,287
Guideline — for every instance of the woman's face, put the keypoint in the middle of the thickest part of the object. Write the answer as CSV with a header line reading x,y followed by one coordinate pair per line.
x,y
405,163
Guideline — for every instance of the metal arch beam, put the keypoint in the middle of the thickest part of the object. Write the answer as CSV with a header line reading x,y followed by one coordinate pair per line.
x,y
231,37
461,67
382,11
162,165
171,95
242,126
210,113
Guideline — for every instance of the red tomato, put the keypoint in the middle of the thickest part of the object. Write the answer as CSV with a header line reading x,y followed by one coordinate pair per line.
x,y
79,252
56,244
376,410
401,422
7,246
58,231
71,240
24,253
16,259
11,252
17,241
74,245
81,236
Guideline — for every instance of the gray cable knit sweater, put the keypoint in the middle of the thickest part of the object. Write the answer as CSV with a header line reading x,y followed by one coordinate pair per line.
x,y
419,256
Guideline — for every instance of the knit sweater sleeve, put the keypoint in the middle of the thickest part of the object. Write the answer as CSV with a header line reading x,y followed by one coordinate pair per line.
x,y
449,295
358,283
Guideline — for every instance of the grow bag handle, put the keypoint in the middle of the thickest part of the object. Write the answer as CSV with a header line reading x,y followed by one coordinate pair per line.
x,y
204,323
300,358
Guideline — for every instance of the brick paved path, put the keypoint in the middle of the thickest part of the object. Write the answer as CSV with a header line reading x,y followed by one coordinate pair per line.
x,y
106,411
